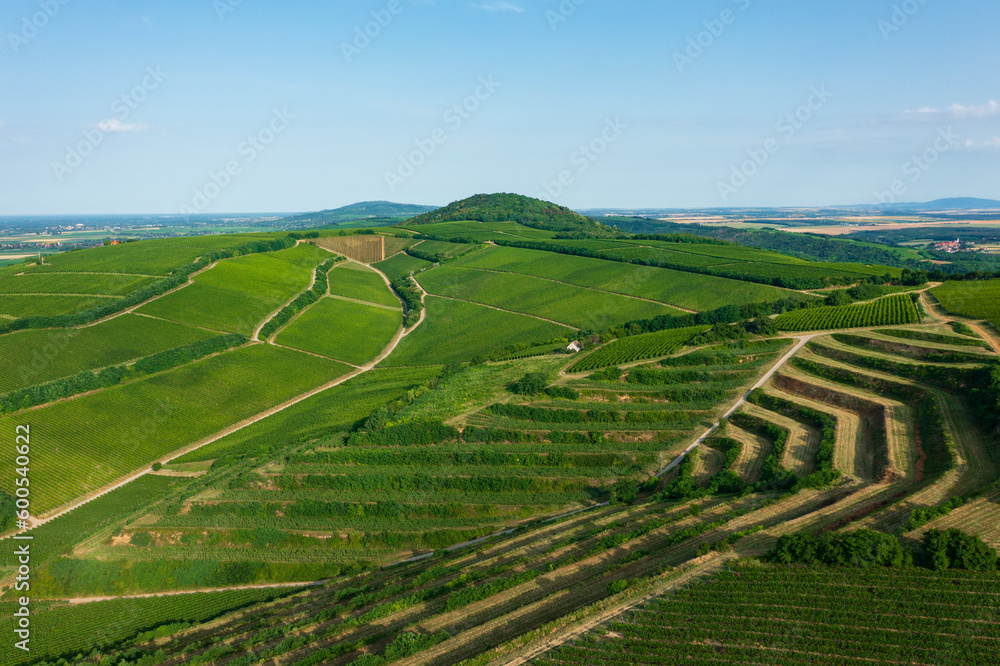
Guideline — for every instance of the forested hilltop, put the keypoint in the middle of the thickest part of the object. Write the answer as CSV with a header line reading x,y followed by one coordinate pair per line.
x,y
510,208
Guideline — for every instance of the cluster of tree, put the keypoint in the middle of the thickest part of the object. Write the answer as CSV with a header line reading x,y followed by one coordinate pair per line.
x,y
649,376
940,550
407,290
925,514
414,433
566,437
308,234
88,380
532,383
509,208
176,279
983,386
545,415
179,356
458,240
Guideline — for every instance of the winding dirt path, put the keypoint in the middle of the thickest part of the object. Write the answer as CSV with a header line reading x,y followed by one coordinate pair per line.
x,y
802,342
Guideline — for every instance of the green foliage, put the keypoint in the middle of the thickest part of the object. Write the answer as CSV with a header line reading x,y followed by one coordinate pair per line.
x,y
509,208
979,299
532,383
406,434
956,550
890,311
925,514
637,348
407,290
862,548
626,491
355,281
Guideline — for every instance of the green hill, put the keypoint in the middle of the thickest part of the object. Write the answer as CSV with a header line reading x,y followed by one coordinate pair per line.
x,y
365,213
510,208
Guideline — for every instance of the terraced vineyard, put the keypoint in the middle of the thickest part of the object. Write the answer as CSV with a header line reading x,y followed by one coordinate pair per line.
x,y
483,496
637,348
890,311
979,299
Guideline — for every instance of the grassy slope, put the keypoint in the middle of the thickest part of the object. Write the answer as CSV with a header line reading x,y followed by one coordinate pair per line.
x,y
685,290
94,439
401,265
35,283
457,331
979,299
347,331
36,356
237,294
575,306
355,281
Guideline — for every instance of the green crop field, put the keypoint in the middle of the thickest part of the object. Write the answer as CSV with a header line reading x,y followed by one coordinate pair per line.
x,y
237,294
448,250
154,257
71,630
356,281
401,265
680,289
457,330
35,357
333,410
890,311
92,440
343,330
777,615
637,348
567,304
63,283
979,299
17,305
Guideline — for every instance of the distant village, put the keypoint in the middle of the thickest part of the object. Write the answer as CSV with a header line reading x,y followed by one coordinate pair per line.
x,y
951,247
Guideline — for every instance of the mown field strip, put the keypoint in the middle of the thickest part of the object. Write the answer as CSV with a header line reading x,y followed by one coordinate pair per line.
x,y
755,451
802,444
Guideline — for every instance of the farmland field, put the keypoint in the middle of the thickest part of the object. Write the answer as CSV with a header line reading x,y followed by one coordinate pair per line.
x,y
575,306
683,290
342,330
979,299
237,294
364,248
14,306
401,265
119,429
780,615
41,356
890,311
358,282
454,330
158,257
637,348
65,283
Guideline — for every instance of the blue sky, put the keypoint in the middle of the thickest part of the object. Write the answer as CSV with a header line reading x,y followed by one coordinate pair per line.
x,y
227,106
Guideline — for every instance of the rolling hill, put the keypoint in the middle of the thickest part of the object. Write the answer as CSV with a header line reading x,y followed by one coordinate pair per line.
x,y
511,208
365,213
